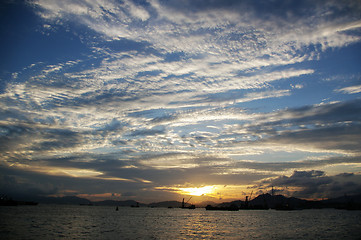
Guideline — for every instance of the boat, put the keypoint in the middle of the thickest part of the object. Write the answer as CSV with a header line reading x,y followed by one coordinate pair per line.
x,y
184,205
249,206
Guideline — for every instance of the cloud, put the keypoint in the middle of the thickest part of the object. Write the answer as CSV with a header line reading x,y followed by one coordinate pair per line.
x,y
138,11
316,184
147,132
205,36
169,161
282,167
337,139
36,137
264,95
168,92
10,187
247,29
350,90
135,67
24,184
326,127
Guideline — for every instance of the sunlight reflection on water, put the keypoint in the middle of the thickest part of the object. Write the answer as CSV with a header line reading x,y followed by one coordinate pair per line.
x,y
95,222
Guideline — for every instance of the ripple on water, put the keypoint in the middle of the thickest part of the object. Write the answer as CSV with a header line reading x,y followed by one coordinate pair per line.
x,y
95,222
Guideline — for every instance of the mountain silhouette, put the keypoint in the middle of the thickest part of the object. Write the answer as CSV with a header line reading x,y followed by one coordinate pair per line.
x,y
263,201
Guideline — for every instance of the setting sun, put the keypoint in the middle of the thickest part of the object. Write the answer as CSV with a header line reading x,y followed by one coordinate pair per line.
x,y
200,191
211,192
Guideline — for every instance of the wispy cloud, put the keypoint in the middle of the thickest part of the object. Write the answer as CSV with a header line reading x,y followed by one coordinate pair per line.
x,y
171,90
319,127
214,29
350,90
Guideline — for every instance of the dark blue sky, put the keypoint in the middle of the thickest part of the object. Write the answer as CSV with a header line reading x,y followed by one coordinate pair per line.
x,y
156,100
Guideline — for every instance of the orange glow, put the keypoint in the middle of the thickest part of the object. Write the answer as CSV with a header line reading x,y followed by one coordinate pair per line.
x,y
200,191
211,192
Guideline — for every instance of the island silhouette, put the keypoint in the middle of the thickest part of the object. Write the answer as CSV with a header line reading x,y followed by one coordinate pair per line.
x,y
261,202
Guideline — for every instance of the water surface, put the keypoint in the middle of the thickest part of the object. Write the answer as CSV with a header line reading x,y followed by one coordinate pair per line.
x,y
97,222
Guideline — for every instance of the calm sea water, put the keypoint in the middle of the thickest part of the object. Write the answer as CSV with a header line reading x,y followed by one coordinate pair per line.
x,y
95,222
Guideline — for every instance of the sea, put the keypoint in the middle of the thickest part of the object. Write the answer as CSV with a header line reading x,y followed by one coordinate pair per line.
x,y
104,222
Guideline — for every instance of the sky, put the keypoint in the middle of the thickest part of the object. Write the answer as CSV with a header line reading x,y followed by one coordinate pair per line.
x,y
157,100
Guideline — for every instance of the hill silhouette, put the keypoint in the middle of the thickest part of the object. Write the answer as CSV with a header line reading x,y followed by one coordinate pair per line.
x,y
290,203
263,201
